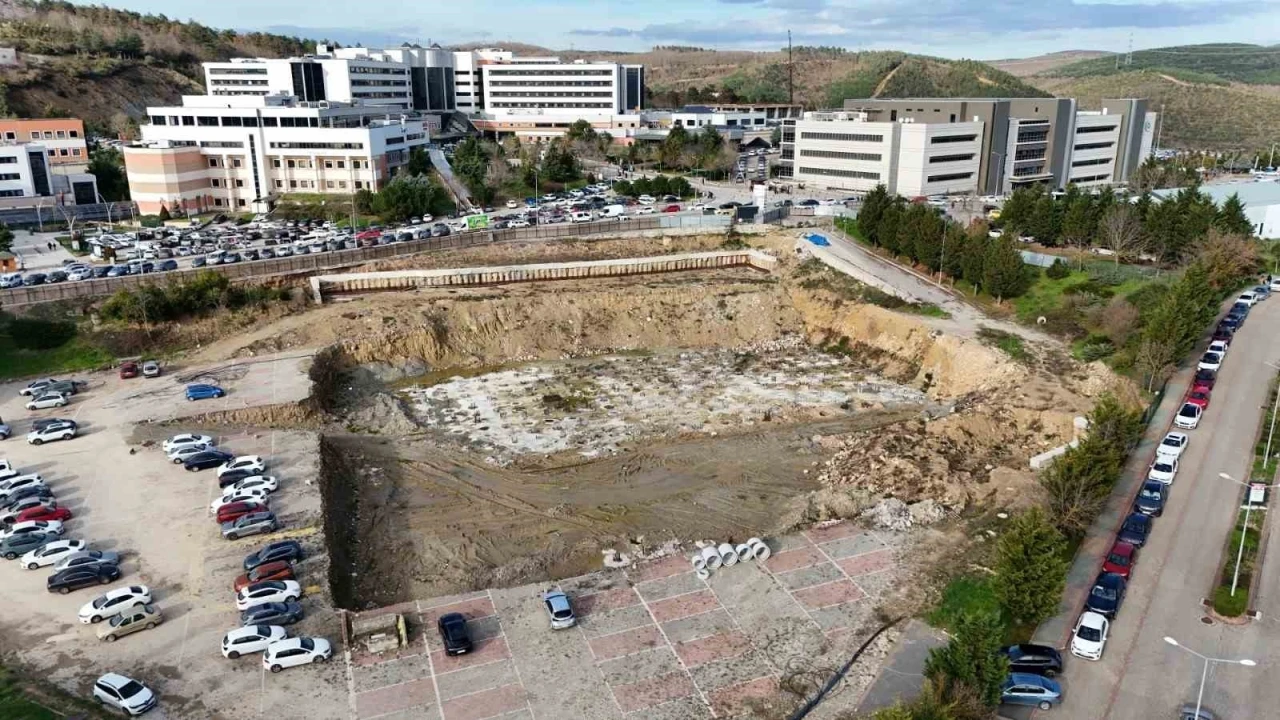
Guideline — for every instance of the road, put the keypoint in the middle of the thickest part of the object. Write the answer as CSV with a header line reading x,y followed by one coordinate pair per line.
x,y
1140,676
34,251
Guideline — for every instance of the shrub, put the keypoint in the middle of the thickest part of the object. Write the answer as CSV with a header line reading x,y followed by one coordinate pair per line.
x,y
1228,606
207,291
1057,271
27,334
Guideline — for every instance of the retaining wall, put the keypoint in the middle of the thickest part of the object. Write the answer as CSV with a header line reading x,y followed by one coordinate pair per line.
x,y
322,285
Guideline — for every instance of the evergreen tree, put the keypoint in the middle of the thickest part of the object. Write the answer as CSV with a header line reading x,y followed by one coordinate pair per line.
x,y
1231,217
974,257
1004,275
1044,222
971,659
6,238
873,207
1016,212
1031,567
887,228
1078,221
953,248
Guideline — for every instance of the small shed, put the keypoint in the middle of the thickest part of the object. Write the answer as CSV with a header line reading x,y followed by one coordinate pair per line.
x,y
8,261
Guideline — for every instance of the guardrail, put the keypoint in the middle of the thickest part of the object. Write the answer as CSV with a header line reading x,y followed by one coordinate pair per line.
x,y
18,297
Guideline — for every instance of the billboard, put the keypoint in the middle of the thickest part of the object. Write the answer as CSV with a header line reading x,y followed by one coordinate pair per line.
x,y
477,222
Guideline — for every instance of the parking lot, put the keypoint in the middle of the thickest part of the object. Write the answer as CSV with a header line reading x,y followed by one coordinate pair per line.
x,y
652,642
127,497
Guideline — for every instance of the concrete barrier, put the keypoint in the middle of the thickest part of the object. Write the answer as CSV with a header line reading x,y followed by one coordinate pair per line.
x,y
322,285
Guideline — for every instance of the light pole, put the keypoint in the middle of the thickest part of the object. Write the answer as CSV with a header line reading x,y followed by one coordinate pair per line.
x,y
1244,532
1271,433
1207,662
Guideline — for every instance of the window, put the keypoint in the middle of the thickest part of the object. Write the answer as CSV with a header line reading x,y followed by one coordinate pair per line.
x,y
870,157
342,184
1096,161
236,162
62,152
1094,145
10,135
293,184
1095,129
213,162
35,134
328,164
342,164
359,184
841,173
188,120
275,162
8,160
10,193
840,137
951,158
48,134
206,121
943,139
51,152
75,152
73,133
217,202
328,184
10,176
240,202
317,146
62,134
279,183
239,182
948,177
215,182
291,163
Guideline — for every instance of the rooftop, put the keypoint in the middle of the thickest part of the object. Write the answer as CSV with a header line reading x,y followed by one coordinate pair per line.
x,y
1251,193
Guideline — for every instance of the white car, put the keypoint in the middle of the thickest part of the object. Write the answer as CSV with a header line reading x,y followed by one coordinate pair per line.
x,y
1188,417
51,433
253,482
1219,346
1090,636
267,592
7,470
1163,469
185,440
258,495
124,694
518,224
35,387
1210,361
1172,446
251,639
645,200
114,602
244,462
512,204
51,553
181,454
48,527
47,400
296,651
1247,298
17,482
646,210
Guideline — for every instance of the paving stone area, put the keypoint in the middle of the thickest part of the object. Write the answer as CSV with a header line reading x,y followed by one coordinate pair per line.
x,y
653,642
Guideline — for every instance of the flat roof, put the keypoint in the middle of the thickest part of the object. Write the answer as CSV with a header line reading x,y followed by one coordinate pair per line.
x,y
1251,193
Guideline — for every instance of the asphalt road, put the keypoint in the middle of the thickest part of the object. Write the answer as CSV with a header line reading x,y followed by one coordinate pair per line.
x,y
1141,676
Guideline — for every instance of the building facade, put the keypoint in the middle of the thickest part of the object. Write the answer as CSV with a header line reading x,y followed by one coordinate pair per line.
x,y
28,174
241,153
371,79
63,139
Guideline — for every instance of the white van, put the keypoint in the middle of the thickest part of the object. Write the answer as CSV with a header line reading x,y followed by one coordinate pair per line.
x,y
612,211
11,280
582,216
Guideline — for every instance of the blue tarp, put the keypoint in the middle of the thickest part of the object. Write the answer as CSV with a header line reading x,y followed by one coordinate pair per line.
x,y
819,240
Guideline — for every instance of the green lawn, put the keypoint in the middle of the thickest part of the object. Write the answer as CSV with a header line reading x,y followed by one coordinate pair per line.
x,y
968,594
1045,294
79,354
14,704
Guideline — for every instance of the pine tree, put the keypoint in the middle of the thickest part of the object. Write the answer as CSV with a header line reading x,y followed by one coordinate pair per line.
x,y
887,228
1031,568
974,256
1231,218
1004,274
873,207
971,659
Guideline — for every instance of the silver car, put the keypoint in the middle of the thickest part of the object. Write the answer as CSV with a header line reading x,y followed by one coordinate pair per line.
x,y
559,610
88,558
255,523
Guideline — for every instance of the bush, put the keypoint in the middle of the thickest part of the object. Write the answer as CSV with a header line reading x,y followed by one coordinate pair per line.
x,y
971,660
1057,271
150,221
29,334
207,291
1226,605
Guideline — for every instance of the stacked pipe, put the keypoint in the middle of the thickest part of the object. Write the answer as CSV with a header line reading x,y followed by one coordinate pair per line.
x,y
714,556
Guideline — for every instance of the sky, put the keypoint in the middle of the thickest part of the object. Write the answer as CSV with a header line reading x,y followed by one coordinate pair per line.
x,y
978,29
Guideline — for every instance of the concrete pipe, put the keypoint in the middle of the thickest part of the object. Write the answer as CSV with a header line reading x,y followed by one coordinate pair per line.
x,y
728,555
744,552
711,557
759,549
698,562
702,574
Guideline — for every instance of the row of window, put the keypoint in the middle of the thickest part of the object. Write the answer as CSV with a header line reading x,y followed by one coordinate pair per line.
x,y
219,202
944,139
305,164
8,159
233,121
329,184
951,158
63,152
45,135
367,70
220,144
316,146
532,93
605,106
835,155
225,81
239,71
499,72
1030,154
1028,170
1096,161
949,177
840,137
1095,129
840,173
1090,178
10,176
550,83
10,193
380,83
1094,146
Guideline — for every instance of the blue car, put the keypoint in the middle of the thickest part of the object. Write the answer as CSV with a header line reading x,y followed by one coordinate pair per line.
x,y
201,391
168,265
1027,689
1107,594
1135,530
1151,498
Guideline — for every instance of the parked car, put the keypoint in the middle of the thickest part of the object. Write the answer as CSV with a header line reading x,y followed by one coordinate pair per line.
x,y
453,631
10,513
61,514
255,482
151,368
7,470
272,613
1247,298
202,391
1194,711
124,694
15,545
1027,689
47,400
244,462
52,433
296,651
266,592
1188,418
1151,498
17,488
186,440
50,553
86,558
26,527
1210,361
228,479
5,431
1120,559
1220,347
129,370
289,551
1172,446
35,387
1198,397
64,581
230,511
206,459
135,619
182,454
1163,469
1107,594
251,639
277,570
254,523
1034,659
1089,638
237,496
1205,377
1135,529
559,610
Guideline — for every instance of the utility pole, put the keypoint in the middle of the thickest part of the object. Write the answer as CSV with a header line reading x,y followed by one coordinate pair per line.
x,y
791,73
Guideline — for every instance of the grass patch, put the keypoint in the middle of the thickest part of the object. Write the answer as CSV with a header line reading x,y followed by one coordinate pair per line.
x,y
1224,603
1011,344
1045,295
16,703
77,354
816,275
964,595
65,242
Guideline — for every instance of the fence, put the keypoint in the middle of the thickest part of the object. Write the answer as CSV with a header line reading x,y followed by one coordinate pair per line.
x,y
36,216
17,297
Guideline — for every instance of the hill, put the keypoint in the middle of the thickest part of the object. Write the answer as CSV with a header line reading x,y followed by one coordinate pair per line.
x,y
1208,64
105,65
1026,67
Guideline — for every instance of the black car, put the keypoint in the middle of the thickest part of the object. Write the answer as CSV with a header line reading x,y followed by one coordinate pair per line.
x,y
207,459
231,477
1107,594
46,422
273,613
198,261
1034,659
288,550
453,631
168,265
1135,529
34,279
1205,377
81,577
57,276
101,271
250,254
1151,498
31,491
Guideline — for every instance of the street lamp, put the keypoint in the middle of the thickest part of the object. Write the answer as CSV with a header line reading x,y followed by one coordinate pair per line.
x,y
1248,506
1266,460
1205,674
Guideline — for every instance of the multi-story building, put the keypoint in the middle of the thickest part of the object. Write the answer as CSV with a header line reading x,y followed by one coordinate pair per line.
x,y
1022,141
63,139
371,78
242,152
28,173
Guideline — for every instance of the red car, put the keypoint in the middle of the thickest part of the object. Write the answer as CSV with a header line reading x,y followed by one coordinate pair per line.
x,y
1199,397
1121,559
44,513
129,370
278,570
232,511
671,208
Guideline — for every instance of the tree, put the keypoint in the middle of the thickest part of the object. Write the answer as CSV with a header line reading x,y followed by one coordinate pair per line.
x,y
672,148
873,207
775,137
1227,258
559,164
164,214
107,165
6,238
1154,359
1077,219
1231,217
1031,568
409,196
581,130
471,164
971,660
1080,480
418,163
887,228
1119,231
1044,224
1004,274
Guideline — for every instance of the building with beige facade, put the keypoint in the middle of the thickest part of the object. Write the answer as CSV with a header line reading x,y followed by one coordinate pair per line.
x,y
63,139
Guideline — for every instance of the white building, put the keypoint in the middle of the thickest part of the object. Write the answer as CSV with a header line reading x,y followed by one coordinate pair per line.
x,y
26,173
372,79
1261,203
842,150
697,116
242,152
